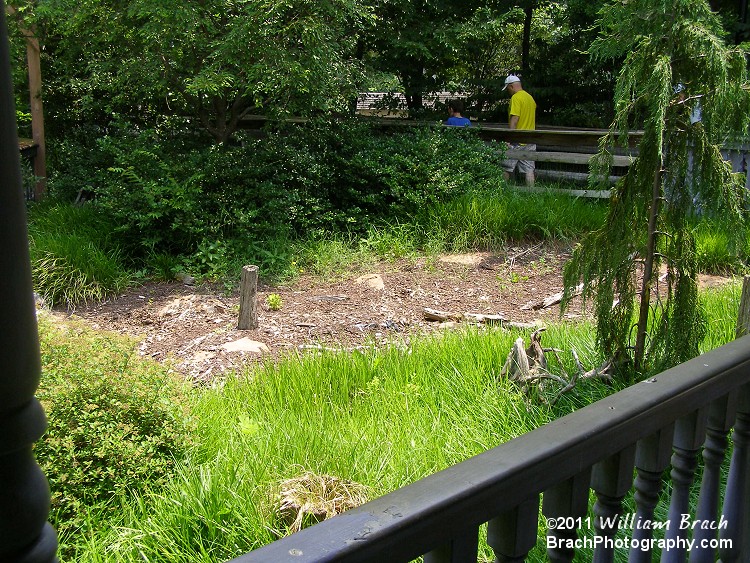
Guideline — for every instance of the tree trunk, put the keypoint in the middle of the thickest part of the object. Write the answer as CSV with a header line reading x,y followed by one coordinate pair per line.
x,y
37,109
414,88
529,11
648,272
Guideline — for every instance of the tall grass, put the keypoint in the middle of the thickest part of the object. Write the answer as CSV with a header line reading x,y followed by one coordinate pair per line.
x,y
73,257
76,258
380,418
483,220
487,220
714,249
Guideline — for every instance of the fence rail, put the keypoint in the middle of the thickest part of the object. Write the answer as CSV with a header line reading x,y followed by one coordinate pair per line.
x,y
623,443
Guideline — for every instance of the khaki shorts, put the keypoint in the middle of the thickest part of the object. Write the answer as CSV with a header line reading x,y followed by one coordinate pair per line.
x,y
524,166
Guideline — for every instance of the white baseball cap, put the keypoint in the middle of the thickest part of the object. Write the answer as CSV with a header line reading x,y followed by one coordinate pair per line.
x,y
511,79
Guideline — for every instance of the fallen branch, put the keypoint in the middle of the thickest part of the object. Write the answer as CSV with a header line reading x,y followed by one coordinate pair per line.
x,y
551,300
486,319
449,316
441,316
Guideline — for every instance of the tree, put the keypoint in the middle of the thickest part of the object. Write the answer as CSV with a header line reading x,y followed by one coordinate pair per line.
x,y
570,87
210,60
424,42
35,102
665,43
484,43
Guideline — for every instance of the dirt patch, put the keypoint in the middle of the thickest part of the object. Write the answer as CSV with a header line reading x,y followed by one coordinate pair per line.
x,y
196,327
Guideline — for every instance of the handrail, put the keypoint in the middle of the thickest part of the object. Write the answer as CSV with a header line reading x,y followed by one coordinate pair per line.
x,y
440,514
570,137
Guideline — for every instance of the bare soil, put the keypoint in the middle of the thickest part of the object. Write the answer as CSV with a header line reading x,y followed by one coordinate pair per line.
x,y
195,328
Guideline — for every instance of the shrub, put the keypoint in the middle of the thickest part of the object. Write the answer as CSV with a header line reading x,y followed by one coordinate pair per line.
x,y
116,423
321,177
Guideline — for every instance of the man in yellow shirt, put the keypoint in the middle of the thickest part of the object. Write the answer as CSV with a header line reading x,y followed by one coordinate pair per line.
x,y
522,115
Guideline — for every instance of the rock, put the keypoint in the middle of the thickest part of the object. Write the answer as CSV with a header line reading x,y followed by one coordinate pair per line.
x,y
203,356
373,281
245,345
39,301
463,259
184,278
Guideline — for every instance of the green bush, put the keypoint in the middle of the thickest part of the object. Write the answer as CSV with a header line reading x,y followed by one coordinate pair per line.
x,y
321,177
116,424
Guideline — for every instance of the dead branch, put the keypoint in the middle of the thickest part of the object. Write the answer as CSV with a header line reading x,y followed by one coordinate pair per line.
x,y
547,375
547,302
440,316
486,319
445,316
516,366
526,366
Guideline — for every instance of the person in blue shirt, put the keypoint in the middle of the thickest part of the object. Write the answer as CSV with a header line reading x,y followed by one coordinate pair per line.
x,y
455,108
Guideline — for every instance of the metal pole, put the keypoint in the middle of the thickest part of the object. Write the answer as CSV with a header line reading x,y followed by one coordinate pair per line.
x,y
25,536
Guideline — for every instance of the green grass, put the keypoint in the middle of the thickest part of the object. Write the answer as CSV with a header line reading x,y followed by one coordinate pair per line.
x,y
714,249
116,424
489,220
383,419
73,257
380,418
484,220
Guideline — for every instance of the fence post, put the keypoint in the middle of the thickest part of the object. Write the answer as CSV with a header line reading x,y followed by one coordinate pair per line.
x,y
24,494
743,318
248,298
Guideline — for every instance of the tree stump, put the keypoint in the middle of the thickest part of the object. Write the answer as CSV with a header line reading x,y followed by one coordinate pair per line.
x,y
524,364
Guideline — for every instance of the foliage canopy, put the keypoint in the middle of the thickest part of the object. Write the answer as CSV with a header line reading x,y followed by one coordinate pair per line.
x,y
210,60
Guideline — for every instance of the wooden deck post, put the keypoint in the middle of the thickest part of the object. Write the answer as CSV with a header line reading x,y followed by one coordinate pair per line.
x,y
248,298
743,318
24,493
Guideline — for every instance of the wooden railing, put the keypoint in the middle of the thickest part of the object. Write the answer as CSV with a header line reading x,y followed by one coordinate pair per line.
x,y
562,153
616,447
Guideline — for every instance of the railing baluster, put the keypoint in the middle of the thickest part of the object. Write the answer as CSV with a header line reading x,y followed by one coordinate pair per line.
x,y
513,534
651,459
566,503
690,432
24,494
611,480
460,549
721,415
735,544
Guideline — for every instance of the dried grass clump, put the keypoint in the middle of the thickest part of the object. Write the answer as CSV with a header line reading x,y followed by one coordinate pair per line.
x,y
311,498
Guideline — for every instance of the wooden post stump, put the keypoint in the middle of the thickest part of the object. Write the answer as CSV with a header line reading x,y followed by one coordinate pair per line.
x,y
743,319
248,298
